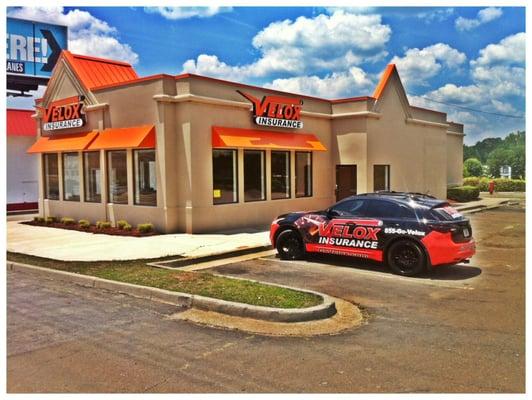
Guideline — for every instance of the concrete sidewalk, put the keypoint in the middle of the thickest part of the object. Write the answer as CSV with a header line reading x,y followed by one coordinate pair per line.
x,y
483,204
67,245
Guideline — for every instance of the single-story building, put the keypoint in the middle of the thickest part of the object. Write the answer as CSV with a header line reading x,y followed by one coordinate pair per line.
x,y
196,154
22,172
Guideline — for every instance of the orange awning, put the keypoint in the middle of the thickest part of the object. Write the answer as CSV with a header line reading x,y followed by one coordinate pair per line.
x,y
56,144
252,138
125,138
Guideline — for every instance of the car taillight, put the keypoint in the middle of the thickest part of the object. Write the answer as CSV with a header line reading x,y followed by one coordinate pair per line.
x,y
444,228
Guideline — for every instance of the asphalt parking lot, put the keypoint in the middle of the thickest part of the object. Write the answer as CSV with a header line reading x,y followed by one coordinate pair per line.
x,y
459,329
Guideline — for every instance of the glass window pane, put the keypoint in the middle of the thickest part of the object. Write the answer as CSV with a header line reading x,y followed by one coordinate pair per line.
x,y
51,177
224,176
117,170
71,176
91,169
350,207
280,167
303,174
254,176
381,177
145,178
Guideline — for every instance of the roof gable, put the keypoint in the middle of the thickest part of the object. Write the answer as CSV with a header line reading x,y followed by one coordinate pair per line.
x,y
390,79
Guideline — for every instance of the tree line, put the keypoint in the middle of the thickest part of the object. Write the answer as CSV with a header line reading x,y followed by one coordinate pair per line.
x,y
494,153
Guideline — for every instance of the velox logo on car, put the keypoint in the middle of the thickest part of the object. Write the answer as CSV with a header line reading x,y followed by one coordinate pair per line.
x,y
281,112
350,233
64,114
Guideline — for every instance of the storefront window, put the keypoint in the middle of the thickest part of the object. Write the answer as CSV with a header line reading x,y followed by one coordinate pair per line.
x,y
303,174
381,177
280,170
91,170
117,170
145,178
254,175
51,177
71,176
224,176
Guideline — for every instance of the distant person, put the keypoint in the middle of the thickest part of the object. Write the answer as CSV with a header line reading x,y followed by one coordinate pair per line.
x,y
491,187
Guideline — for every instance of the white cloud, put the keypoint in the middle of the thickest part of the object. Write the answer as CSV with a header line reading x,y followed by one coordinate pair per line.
x,y
438,15
175,13
335,85
483,16
417,66
86,34
306,46
510,50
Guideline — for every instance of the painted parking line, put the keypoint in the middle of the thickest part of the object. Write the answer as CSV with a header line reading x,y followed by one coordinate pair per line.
x,y
458,284
230,260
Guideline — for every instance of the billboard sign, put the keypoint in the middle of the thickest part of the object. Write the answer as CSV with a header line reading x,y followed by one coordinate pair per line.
x,y
33,48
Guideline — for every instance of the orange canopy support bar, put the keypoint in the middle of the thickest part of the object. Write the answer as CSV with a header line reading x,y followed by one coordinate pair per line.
x,y
63,143
252,138
124,138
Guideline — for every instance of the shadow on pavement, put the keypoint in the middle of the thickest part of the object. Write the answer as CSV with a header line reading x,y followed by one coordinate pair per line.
x,y
443,272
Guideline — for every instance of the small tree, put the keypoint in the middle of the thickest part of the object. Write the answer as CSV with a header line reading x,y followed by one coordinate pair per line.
x,y
498,158
472,167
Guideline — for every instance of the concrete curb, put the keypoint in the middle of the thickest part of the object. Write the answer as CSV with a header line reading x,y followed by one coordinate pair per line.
x,y
321,311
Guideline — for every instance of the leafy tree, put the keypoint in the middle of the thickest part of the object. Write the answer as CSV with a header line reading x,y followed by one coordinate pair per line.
x,y
473,167
498,158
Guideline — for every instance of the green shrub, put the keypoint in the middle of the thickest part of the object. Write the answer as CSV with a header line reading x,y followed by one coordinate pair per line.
x,y
463,193
50,220
39,220
120,224
83,223
68,221
127,227
103,224
501,184
145,228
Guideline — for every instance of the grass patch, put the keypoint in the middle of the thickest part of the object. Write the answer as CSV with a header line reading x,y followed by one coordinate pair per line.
x,y
201,283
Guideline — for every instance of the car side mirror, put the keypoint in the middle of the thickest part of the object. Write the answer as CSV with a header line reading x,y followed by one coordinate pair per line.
x,y
331,213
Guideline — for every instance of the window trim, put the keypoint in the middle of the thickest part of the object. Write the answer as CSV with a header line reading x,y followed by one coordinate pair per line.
x,y
289,175
77,153
135,151
45,194
311,173
85,180
388,181
235,152
108,176
264,176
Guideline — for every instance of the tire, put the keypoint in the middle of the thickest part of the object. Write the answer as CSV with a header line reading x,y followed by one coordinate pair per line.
x,y
289,245
406,258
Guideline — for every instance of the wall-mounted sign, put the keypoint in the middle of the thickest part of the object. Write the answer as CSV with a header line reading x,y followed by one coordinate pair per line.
x,y
64,114
281,112
33,48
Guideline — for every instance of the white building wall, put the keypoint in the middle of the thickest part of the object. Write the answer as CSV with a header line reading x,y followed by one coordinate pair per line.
x,y
22,171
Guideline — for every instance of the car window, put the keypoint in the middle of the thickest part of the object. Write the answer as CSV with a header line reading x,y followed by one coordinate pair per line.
x,y
349,207
387,209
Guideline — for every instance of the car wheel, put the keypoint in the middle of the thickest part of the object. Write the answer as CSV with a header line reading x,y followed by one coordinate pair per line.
x,y
289,245
406,258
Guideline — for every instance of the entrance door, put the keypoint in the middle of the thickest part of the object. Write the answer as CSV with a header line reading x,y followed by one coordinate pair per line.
x,y
346,181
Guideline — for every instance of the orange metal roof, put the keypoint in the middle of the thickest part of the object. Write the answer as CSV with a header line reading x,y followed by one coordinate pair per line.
x,y
95,72
20,123
124,138
252,138
55,144
384,80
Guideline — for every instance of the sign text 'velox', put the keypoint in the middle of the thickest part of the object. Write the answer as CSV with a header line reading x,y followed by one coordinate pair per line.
x,y
63,114
283,112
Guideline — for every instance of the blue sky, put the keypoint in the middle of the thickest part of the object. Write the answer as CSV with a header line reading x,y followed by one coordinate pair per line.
x,y
471,57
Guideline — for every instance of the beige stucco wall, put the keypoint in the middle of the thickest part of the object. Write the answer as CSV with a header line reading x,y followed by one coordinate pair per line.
x,y
414,152
455,158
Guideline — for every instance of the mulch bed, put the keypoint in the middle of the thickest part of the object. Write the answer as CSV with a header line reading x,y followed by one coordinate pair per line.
x,y
92,229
